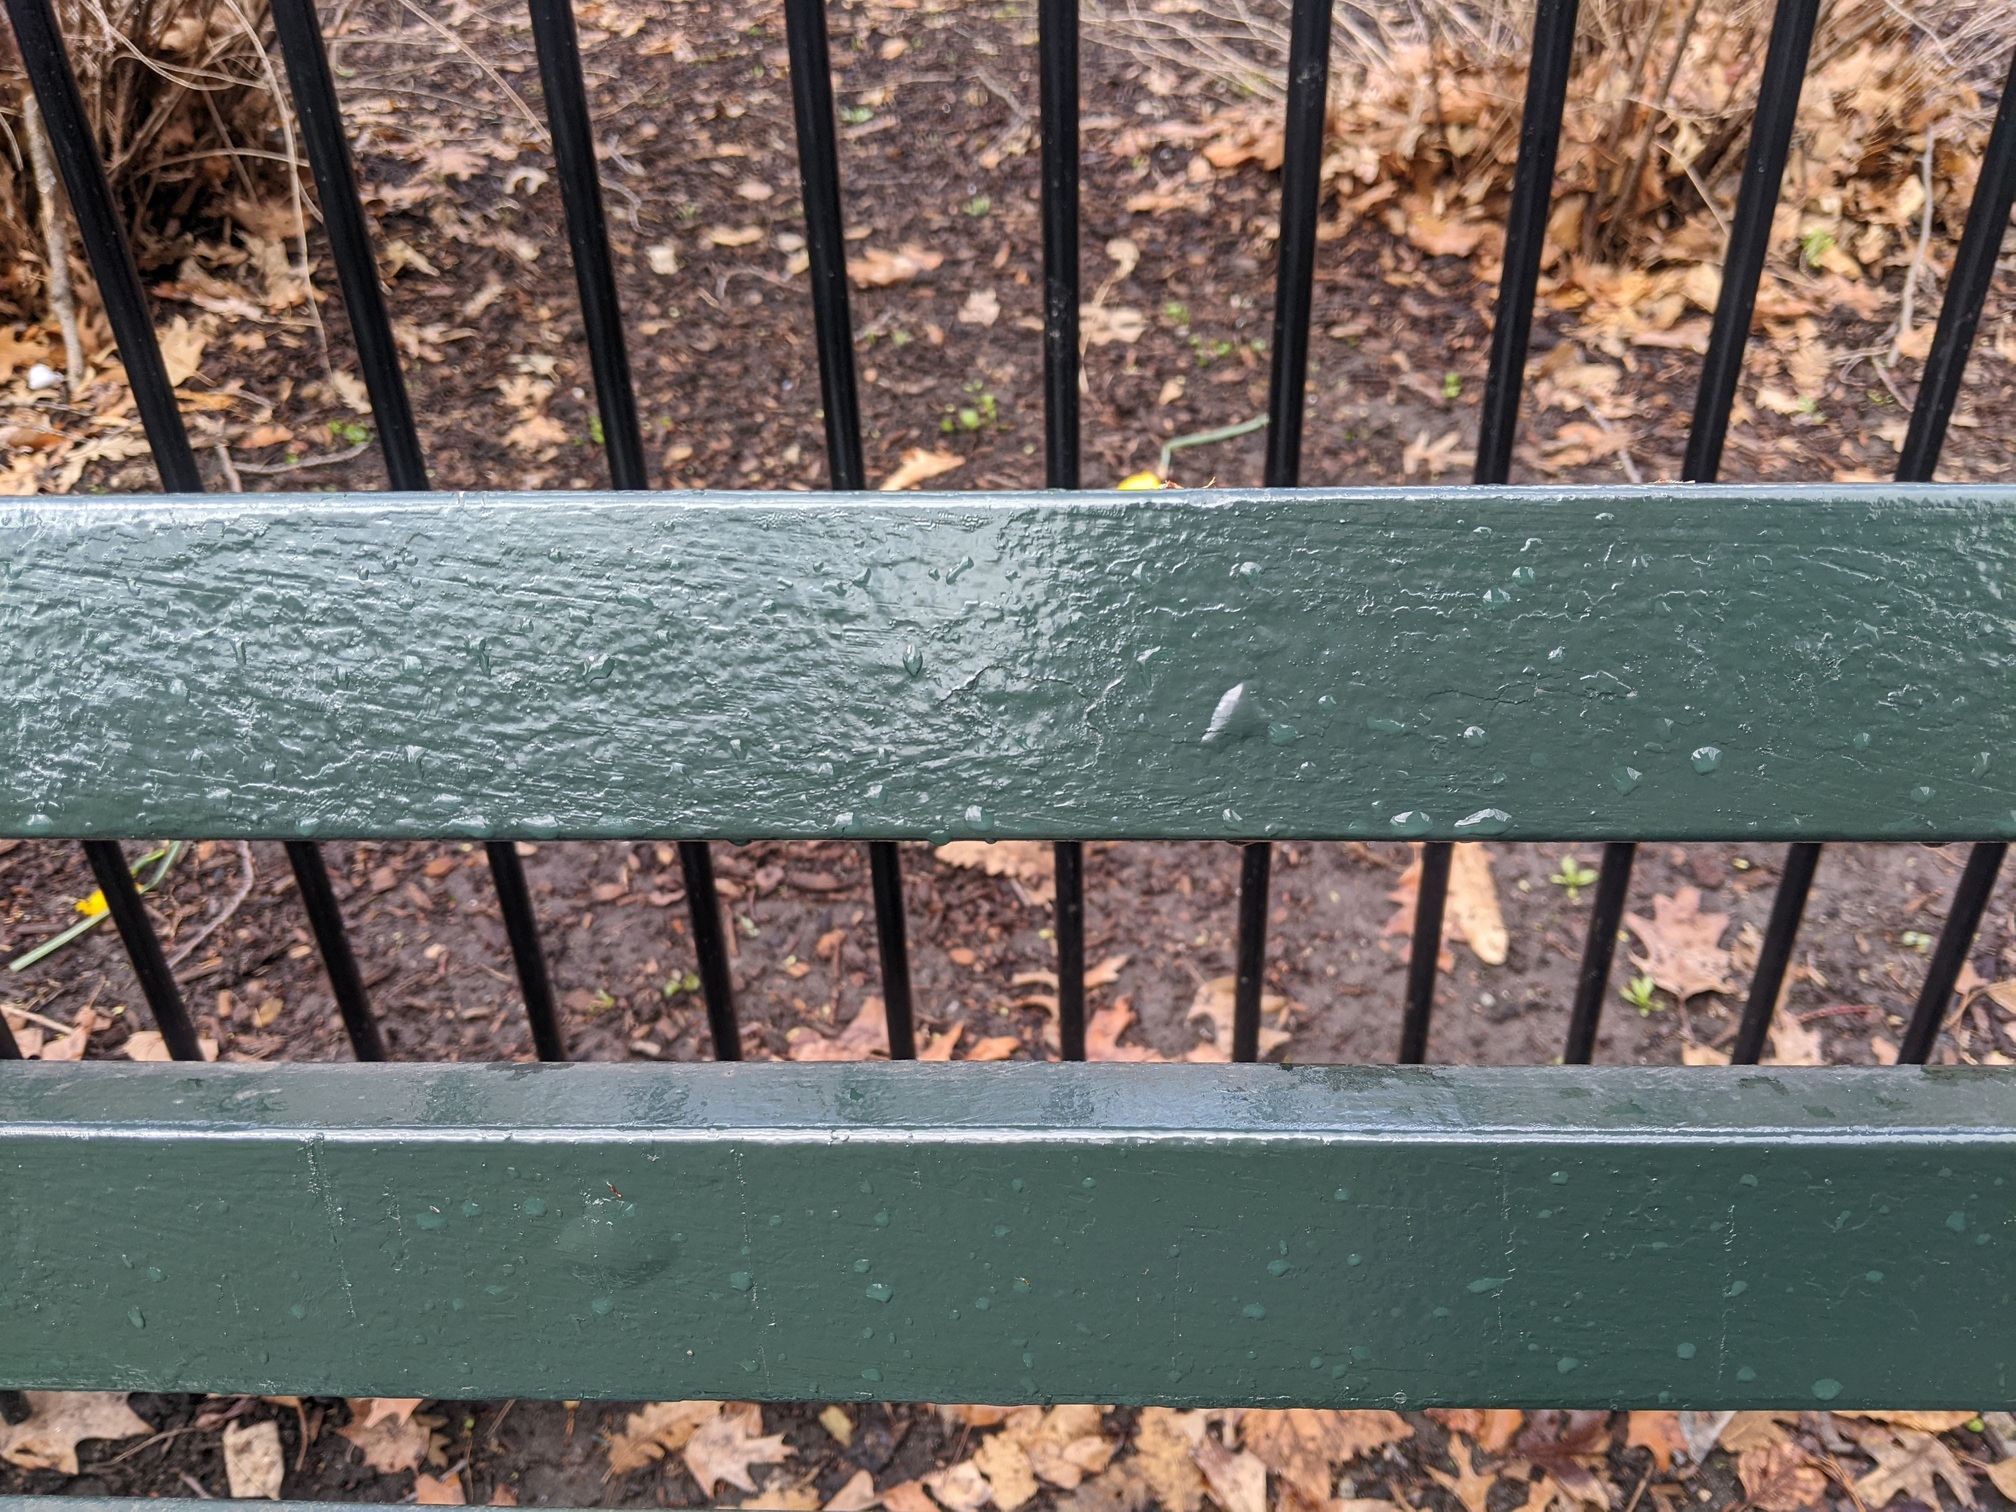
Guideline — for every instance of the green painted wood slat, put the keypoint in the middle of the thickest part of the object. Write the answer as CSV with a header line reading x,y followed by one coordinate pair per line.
x,y
1189,1234
1678,662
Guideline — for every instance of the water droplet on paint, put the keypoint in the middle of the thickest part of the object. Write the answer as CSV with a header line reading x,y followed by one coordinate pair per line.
x,y
1706,759
1921,794
1486,821
1412,822
1625,778
878,1291
1826,1388
913,661
741,1280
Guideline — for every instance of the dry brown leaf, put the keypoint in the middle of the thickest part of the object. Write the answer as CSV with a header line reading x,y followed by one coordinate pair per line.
x,y
1165,1440
723,1448
1103,1031
254,1465
783,1496
959,1488
182,347
856,1496
658,1429
1099,325
1471,1487
1682,955
439,1491
1106,973
1752,1430
1002,1459
1792,1043
940,1049
1306,1445
1907,1462
865,1037
1659,1432
148,1045
537,432
1703,1055
1492,1428
982,308
908,1496
390,1444
1473,914
734,236
1781,1477
1030,862
1214,1004
1924,1422
58,1421
996,1047
2002,1475
1238,1480
372,1410
875,269
918,465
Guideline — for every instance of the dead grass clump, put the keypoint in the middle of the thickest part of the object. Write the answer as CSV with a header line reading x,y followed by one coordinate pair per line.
x,y
1426,101
182,95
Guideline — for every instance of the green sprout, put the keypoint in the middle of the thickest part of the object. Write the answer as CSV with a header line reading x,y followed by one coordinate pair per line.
x,y
1639,994
1452,385
1574,876
690,982
349,432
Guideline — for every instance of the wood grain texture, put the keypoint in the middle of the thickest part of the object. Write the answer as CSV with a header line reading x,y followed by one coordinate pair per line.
x,y
1458,663
1190,1234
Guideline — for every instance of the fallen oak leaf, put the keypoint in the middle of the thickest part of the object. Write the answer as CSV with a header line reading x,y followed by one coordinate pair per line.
x,y
908,1496
1305,1446
723,1448
918,465
655,1430
959,1488
1470,1487
1103,1031
1492,1428
1238,1480
58,1421
1907,1462
996,1047
438,1491
857,1495
865,1037
1032,863
1658,1432
1214,1003
1793,1044
1681,950
1165,1442
1002,1459
1782,1477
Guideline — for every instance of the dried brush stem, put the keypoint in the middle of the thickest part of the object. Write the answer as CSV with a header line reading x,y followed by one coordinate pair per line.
x,y
55,242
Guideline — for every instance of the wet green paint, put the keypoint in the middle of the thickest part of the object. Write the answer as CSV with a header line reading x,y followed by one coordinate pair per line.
x,y
1190,1234
1463,662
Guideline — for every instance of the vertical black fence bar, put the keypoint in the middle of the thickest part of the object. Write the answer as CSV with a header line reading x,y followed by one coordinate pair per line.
x,y
521,928
1963,918
833,329
1498,421
1613,884
1959,318
885,871
560,77
1775,954
696,863
320,114
311,876
9,1048
143,948
1256,862
1750,237
1924,438
1287,390
1423,957
1070,917
1057,69
1729,335
316,109
126,311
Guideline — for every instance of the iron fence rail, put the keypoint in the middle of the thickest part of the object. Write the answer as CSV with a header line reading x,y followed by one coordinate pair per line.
x,y
318,111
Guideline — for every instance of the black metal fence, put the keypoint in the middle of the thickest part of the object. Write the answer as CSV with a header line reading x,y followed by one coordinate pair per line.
x,y
320,118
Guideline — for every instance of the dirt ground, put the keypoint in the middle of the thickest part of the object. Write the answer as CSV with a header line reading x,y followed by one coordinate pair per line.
x,y
694,115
